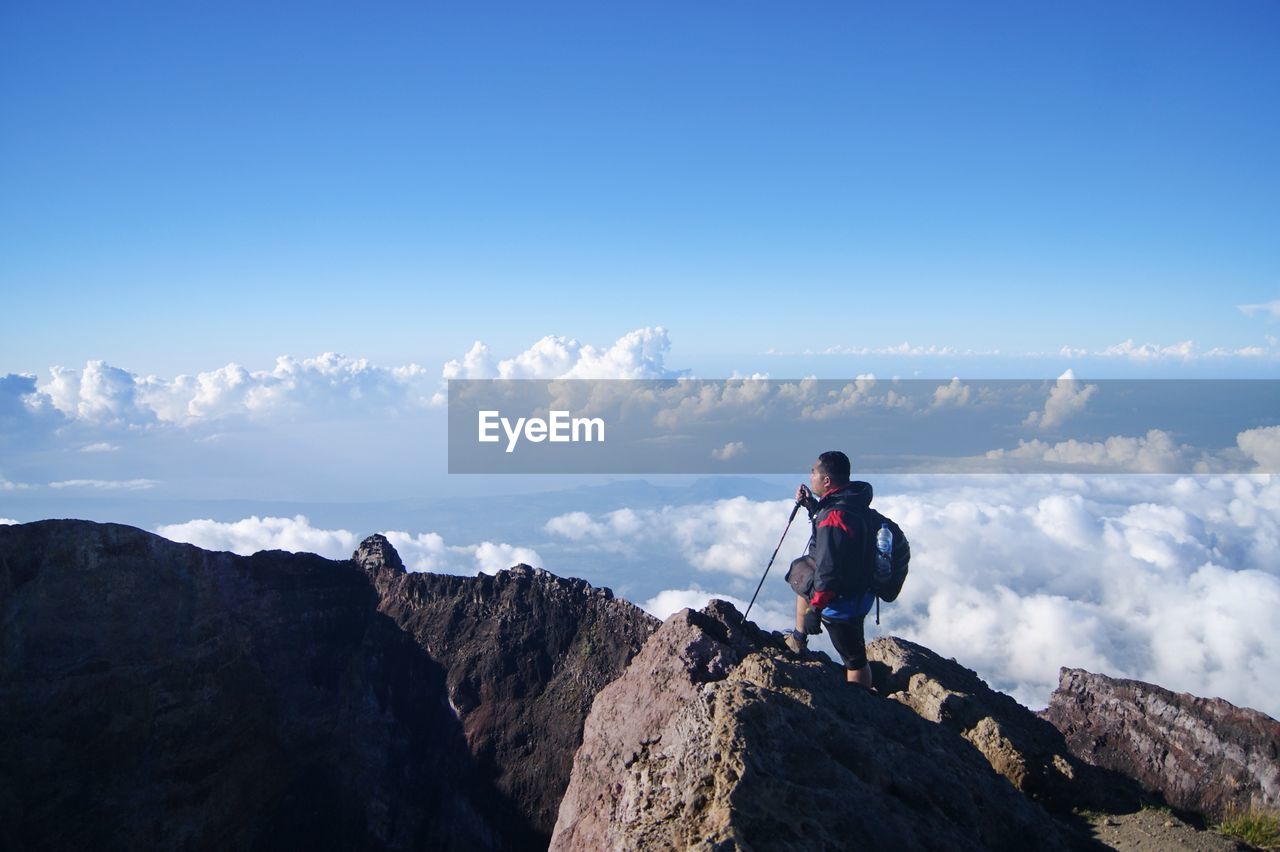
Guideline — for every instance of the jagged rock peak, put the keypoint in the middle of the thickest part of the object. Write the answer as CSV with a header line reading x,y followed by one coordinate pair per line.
x,y
1202,754
376,554
524,571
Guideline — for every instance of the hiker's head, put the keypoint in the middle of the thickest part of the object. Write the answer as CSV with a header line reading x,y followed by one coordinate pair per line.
x,y
831,470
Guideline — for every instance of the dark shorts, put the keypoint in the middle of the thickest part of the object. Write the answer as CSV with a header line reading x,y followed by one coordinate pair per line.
x,y
850,643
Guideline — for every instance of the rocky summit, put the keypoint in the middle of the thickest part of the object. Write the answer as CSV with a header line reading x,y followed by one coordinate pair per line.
x,y
715,739
157,695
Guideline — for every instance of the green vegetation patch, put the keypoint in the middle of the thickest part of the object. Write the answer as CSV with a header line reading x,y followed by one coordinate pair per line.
x,y
1259,828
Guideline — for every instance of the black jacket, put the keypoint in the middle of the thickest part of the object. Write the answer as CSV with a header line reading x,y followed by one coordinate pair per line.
x,y
842,540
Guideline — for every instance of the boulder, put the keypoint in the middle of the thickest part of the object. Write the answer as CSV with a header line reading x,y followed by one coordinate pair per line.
x,y
1024,748
714,738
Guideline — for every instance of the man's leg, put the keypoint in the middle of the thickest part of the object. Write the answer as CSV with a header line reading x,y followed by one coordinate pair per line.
x,y
849,641
862,676
798,639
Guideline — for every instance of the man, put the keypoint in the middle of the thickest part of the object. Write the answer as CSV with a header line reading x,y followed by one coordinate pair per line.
x,y
842,594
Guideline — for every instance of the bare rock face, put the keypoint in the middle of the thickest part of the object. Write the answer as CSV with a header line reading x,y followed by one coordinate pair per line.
x,y
715,739
1204,755
1024,748
156,695
525,653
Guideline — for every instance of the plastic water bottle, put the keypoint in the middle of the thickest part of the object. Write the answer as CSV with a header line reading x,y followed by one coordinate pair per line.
x,y
884,553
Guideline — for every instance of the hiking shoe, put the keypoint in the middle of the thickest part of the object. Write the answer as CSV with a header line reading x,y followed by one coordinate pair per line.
x,y
797,643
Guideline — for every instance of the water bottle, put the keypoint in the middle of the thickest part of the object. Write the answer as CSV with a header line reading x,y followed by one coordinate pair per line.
x,y
884,554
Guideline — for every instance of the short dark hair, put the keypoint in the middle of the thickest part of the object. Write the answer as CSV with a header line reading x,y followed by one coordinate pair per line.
x,y
835,464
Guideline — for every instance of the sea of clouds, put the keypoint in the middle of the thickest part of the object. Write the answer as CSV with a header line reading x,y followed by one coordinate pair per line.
x,y
1173,580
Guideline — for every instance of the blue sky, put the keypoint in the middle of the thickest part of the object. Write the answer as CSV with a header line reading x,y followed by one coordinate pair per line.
x,y
188,185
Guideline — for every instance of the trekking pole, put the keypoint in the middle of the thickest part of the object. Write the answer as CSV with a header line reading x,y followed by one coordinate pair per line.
x,y
795,509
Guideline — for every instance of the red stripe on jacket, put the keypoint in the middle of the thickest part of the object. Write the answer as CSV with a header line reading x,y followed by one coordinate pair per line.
x,y
834,519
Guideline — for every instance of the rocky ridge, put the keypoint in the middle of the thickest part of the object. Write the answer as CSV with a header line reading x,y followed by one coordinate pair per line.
x,y
157,694
154,694
1203,755
525,653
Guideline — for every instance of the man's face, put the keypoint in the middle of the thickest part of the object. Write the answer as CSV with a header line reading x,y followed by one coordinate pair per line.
x,y
819,482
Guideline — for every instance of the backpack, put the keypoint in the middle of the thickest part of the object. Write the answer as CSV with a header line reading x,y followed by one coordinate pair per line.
x,y
888,589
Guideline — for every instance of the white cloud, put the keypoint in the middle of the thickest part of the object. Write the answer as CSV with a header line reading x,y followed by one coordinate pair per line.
x,y
733,449
492,557
1271,309
1262,446
904,349
861,392
106,484
1066,398
636,355
100,394
99,447
670,601
327,384
734,537
1186,350
6,485
607,533
1156,452
7,522
252,534
1240,352
1256,451
420,552
1123,575
956,393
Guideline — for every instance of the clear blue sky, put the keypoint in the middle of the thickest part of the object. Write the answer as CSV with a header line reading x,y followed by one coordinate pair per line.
x,y
188,184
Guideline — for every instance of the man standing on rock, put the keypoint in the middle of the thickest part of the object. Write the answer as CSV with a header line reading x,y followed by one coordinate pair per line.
x,y
841,595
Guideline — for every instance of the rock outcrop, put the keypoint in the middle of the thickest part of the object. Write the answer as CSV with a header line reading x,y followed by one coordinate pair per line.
x,y
154,694
715,739
1024,748
525,653
1203,755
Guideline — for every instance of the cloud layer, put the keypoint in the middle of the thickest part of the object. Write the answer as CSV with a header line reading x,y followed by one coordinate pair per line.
x,y
329,385
1170,580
